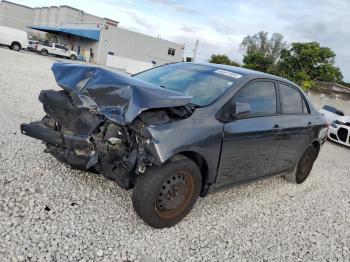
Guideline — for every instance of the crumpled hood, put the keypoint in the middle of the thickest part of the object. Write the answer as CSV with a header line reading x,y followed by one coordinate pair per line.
x,y
117,96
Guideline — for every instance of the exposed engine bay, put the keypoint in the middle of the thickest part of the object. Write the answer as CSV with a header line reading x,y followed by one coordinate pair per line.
x,y
99,121
86,140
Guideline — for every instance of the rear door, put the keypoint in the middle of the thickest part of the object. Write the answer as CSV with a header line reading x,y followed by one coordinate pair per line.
x,y
249,145
297,131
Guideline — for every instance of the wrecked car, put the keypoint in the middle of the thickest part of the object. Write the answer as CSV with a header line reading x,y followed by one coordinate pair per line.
x,y
178,131
339,125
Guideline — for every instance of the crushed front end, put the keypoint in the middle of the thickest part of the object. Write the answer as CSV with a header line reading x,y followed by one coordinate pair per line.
x,y
98,122
88,141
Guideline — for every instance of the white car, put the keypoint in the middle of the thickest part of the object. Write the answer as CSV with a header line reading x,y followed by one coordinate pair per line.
x,y
331,113
339,125
56,49
339,130
13,38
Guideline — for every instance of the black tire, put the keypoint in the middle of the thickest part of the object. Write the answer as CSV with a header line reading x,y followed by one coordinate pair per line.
x,y
176,183
303,167
73,57
16,46
44,52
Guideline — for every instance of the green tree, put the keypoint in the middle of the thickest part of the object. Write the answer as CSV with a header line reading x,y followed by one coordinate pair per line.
x,y
222,59
261,52
257,61
305,63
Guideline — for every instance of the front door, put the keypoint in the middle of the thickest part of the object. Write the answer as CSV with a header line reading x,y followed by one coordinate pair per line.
x,y
59,50
250,144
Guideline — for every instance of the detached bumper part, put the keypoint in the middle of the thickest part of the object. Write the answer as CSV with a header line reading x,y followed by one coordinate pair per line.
x,y
61,146
40,131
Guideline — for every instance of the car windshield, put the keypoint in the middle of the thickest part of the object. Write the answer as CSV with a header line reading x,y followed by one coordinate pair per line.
x,y
204,83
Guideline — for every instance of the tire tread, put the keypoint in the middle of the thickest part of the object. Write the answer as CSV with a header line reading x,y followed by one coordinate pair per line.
x,y
146,185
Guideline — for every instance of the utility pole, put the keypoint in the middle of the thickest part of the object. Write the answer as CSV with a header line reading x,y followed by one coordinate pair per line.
x,y
100,41
195,51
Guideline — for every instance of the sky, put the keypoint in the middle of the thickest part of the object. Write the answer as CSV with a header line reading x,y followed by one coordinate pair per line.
x,y
220,25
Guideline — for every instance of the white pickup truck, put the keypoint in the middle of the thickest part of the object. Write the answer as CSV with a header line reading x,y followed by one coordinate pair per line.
x,y
56,49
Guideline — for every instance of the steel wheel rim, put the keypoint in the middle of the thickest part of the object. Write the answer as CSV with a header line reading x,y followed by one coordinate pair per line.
x,y
174,195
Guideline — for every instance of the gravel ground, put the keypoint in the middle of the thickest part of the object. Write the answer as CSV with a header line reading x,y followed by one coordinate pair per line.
x,y
51,213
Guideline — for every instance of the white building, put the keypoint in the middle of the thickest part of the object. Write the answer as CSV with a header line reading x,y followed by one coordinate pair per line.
x,y
95,39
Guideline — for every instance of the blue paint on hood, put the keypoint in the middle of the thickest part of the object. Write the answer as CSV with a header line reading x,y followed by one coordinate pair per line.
x,y
117,96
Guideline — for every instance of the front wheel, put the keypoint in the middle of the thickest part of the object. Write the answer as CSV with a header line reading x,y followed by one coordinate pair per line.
x,y
44,52
164,195
304,166
73,57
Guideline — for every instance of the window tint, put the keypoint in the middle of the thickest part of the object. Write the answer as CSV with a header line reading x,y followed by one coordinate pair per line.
x,y
305,108
261,96
47,44
292,100
203,83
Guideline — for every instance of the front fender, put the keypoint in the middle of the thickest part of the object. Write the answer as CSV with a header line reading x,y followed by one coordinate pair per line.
x,y
195,134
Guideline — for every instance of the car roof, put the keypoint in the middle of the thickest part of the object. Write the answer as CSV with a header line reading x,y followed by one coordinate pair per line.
x,y
246,72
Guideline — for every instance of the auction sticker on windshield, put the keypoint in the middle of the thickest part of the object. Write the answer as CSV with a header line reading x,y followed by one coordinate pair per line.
x,y
227,73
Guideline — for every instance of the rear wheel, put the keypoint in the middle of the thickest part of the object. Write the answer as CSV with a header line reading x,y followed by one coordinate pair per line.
x,y
16,46
304,166
44,52
165,195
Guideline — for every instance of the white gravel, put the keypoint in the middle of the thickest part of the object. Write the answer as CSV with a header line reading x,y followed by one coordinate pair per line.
x,y
51,213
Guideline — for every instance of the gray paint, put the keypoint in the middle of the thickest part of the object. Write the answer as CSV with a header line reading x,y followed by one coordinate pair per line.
x,y
234,150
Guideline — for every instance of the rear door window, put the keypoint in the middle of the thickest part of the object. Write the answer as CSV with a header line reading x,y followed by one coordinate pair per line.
x,y
292,100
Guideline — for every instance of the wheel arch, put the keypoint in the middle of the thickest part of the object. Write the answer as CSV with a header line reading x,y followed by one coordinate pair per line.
x,y
16,42
202,164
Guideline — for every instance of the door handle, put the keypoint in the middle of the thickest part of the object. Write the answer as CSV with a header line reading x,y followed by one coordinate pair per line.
x,y
309,123
276,126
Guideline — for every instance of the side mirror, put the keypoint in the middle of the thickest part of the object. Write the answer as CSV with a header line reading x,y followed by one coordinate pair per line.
x,y
241,109
232,111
